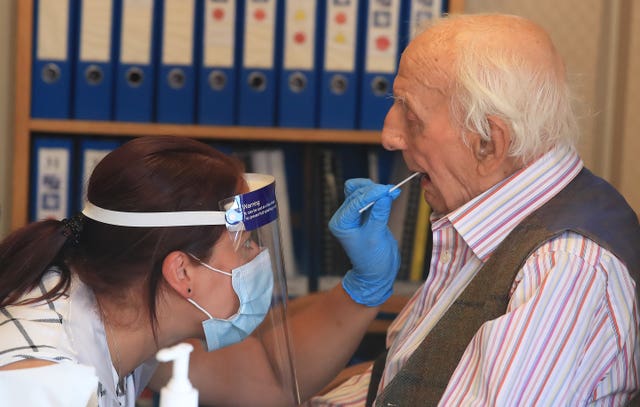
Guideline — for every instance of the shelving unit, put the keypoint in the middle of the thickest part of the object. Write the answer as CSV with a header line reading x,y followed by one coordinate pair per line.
x,y
24,125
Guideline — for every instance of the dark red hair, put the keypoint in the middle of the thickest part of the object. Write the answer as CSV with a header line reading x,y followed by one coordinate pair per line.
x,y
147,174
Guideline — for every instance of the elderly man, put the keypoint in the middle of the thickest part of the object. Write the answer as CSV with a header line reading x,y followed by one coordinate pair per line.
x,y
530,297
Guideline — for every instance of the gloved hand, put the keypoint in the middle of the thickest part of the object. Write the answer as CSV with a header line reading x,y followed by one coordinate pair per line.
x,y
367,240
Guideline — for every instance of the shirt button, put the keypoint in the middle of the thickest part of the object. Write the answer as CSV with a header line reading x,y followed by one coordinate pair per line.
x,y
445,257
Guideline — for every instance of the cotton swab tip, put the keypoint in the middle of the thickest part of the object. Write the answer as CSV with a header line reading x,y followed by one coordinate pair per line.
x,y
393,188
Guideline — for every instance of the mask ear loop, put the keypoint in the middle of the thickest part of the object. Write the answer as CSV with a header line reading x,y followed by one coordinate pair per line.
x,y
195,304
199,307
203,264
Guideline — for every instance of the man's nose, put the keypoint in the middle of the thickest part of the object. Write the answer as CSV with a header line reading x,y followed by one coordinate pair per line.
x,y
393,130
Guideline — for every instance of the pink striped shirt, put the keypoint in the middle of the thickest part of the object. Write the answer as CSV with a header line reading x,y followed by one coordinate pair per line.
x,y
569,336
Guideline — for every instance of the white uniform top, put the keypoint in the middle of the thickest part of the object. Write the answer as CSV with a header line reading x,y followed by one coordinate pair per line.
x,y
68,331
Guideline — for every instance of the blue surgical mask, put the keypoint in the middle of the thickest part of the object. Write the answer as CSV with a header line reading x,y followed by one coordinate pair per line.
x,y
253,284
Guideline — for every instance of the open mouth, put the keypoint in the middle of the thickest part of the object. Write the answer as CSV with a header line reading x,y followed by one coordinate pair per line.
x,y
424,176
425,180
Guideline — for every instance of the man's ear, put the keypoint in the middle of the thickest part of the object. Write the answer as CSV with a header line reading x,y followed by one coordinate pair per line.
x,y
492,154
174,270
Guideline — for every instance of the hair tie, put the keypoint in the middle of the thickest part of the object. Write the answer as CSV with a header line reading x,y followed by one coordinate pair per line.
x,y
71,228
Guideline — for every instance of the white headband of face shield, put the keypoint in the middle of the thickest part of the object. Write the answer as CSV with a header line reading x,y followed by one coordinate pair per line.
x,y
181,218
153,219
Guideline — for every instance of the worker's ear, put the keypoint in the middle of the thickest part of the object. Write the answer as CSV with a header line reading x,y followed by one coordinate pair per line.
x,y
176,271
492,154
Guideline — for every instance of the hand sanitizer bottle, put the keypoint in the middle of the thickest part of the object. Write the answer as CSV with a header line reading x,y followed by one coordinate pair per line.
x,y
178,392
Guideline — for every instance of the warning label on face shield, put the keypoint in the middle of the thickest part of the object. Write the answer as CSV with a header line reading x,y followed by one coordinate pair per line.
x,y
254,209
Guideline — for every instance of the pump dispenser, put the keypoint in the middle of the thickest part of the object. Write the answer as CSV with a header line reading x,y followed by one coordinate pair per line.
x,y
178,392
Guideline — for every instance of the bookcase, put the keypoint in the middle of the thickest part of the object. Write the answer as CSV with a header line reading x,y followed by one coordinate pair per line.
x,y
25,127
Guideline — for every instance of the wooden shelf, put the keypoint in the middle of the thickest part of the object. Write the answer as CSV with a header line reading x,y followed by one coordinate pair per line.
x,y
208,132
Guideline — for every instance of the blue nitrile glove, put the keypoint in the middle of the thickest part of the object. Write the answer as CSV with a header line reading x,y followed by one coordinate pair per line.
x,y
367,240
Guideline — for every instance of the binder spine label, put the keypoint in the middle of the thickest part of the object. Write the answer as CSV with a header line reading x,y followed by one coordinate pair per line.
x,y
382,36
219,33
340,38
259,34
421,12
95,31
135,43
53,26
300,30
52,183
178,31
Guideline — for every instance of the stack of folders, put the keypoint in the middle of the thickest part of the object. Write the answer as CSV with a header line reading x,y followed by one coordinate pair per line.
x,y
60,170
289,63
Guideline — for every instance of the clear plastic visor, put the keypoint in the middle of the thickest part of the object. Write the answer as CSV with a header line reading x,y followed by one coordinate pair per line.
x,y
253,225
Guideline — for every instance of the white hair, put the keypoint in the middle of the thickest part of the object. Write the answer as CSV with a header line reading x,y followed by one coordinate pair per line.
x,y
533,100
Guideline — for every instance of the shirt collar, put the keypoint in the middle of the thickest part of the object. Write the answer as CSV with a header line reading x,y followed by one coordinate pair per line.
x,y
487,219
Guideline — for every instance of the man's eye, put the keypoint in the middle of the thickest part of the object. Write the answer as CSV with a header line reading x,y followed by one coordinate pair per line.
x,y
414,124
408,113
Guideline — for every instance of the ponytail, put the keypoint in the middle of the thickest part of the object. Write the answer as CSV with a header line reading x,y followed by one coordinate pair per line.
x,y
27,253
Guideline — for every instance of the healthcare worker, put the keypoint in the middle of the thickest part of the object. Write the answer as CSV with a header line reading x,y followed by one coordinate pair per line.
x,y
176,242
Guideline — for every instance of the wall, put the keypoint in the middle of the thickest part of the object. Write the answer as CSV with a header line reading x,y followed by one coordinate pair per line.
x,y
7,41
600,41
629,172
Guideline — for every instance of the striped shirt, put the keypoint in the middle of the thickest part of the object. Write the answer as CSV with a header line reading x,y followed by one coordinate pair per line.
x,y
67,330
569,335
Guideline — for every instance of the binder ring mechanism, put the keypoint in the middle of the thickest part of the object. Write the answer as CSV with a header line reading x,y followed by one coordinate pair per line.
x,y
176,78
380,86
134,76
297,82
257,81
217,80
339,84
50,73
94,75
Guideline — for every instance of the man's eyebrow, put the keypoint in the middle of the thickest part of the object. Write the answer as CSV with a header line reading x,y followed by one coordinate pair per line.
x,y
398,98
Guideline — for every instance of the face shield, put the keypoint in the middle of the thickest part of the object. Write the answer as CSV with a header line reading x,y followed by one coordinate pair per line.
x,y
253,240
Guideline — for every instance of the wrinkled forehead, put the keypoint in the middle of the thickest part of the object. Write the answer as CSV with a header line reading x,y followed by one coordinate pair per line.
x,y
429,59
424,68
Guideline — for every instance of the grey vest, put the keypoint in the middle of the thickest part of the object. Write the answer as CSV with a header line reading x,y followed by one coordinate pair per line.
x,y
589,206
